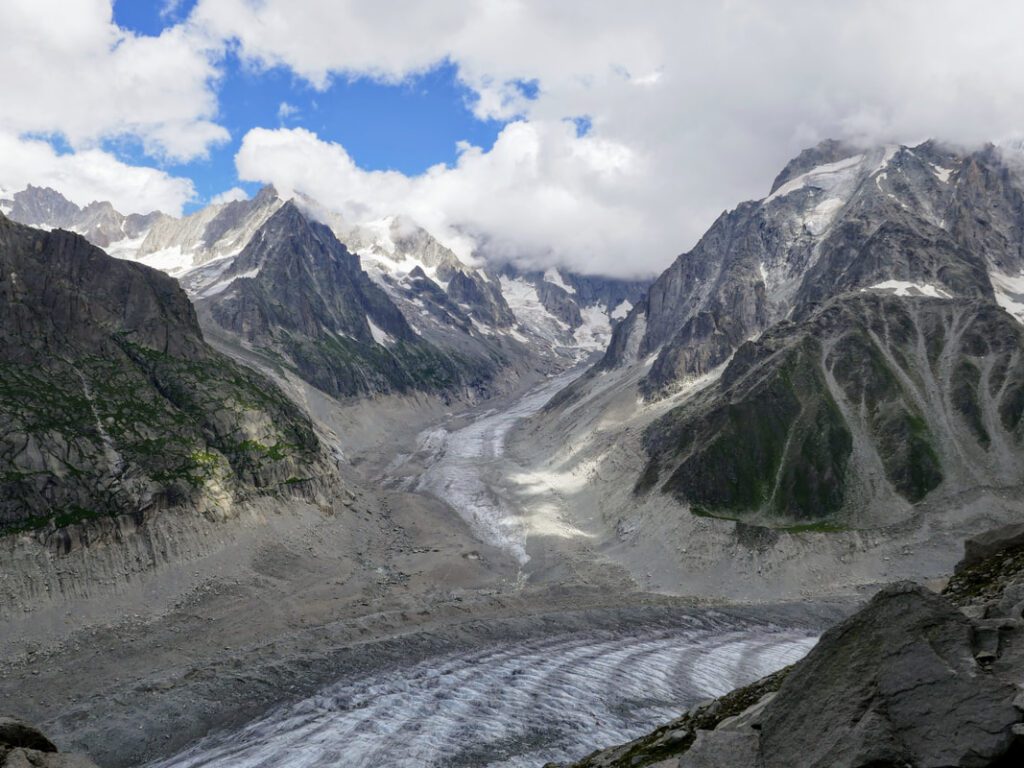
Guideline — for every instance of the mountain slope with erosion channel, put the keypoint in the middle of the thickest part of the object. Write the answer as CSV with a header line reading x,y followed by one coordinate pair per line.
x,y
825,392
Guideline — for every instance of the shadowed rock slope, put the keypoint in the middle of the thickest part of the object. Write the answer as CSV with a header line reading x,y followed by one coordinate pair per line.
x,y
112,404
912,680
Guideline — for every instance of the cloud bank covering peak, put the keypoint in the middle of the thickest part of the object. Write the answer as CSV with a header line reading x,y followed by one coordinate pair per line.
x,y
626,128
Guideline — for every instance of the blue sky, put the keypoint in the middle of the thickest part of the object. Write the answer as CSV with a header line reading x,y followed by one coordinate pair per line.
x,y
406,127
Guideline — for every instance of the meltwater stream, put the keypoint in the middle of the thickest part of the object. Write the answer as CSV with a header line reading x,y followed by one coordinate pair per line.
x,y
524,703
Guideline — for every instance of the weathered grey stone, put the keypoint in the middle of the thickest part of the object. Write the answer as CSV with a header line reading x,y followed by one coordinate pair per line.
x,y
898,676
986,544
713,749
24,746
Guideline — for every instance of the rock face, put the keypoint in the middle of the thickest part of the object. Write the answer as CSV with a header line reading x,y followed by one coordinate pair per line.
x,y
912,679
297,293
216,231
867,407
23,746
172,244
914,221
554,314
898,683
863,322
112,404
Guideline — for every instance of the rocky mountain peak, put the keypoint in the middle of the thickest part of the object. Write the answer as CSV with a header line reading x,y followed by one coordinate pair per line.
x,y
43,206
825,356
267,193
827,151
926,220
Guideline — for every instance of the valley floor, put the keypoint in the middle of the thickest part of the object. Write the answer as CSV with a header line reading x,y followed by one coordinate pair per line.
x,y
439,560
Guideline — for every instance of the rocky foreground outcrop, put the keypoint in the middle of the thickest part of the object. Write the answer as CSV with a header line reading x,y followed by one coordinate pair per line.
x,y
23,746
913,680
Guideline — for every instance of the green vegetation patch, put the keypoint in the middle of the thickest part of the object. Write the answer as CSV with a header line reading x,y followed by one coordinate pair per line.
x,y
777,447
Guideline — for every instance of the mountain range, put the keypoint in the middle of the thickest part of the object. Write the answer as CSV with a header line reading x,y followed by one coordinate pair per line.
x,y
416,317
841,352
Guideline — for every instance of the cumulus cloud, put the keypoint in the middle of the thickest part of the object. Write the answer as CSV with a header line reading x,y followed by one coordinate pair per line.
x,y
229,196
692,106
90,175
66,69
540,195
68,72
286,110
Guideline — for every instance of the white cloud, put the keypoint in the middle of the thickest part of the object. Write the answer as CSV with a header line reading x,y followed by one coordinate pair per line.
x,y
694,106
286,110
67,69
540,194
90,175
385,39
170,8
229,196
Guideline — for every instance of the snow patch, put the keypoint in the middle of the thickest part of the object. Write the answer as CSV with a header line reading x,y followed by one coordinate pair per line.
x,y
126,249
596,330
825,176
525,304
515,334
1009,293
623,309
904,288
171,260
222,285
942,174
888,155
552,275
380,336
378,265
818,219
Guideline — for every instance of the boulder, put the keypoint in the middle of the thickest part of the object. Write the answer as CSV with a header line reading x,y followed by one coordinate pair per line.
x,y
25,746
985,545
18,733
